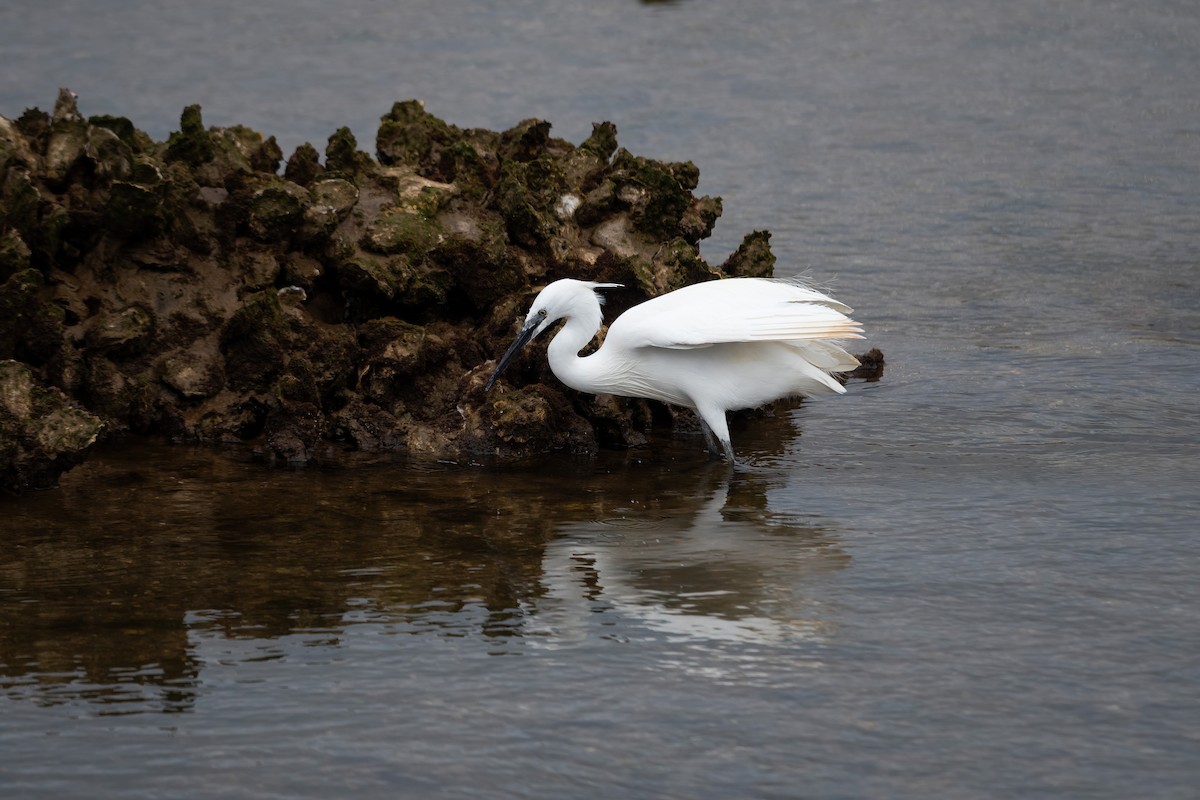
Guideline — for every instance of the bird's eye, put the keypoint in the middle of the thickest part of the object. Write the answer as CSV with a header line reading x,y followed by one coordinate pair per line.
x,y
542,313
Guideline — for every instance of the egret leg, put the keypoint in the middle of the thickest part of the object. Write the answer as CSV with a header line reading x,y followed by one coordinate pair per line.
x,y
716,429
728,445
710,441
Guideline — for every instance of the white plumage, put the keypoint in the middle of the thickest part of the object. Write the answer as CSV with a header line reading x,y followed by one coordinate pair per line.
x,y
712,347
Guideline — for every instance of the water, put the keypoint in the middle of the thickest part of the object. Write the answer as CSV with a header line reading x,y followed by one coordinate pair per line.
x,y
975,578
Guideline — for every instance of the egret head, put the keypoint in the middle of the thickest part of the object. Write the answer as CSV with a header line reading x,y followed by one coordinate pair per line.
x,y
563,299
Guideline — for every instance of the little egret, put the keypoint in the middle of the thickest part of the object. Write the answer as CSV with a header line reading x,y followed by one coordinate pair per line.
x,y
712,347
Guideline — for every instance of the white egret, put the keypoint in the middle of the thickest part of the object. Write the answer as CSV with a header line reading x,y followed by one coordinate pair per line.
x,y
712,347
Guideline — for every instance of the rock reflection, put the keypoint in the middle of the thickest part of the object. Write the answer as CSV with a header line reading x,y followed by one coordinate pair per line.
x,y
114,588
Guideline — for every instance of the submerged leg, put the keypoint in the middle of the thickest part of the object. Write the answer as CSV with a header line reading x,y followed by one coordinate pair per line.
x,y
716,429
728,445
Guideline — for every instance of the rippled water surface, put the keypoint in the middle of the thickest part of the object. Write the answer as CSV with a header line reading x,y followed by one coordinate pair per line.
x,y
974,578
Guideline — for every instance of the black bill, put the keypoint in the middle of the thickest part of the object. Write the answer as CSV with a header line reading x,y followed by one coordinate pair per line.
x,y
523,338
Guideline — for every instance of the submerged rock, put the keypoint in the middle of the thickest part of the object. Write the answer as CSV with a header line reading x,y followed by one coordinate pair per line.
x,y
187,289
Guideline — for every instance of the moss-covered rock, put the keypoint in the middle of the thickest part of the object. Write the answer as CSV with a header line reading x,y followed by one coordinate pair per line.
x,y
67,139
410,135
603,141
123,333
400,230
395,354
31,329
525,197
331,201
138,206
42,433
254,344
657,194
375,278
191,144
193,375
753,258
344,159
538,419
14,254
277,210
19,204
304,165
15,150
482,268
698,221
675,265
137,141
526,141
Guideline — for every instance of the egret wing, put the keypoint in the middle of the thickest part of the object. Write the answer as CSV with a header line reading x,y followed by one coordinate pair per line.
x,y
735,310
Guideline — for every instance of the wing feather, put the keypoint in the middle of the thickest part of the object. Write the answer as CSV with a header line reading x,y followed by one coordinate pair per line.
x,y
735,310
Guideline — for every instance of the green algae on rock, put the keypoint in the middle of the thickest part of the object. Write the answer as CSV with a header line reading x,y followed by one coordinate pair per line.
x,y
187,289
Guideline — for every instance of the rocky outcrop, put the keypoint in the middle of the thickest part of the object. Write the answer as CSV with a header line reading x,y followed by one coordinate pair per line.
x,y
206,290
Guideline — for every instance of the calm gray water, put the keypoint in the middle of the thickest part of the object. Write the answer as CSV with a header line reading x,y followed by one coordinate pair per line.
x,y
975,578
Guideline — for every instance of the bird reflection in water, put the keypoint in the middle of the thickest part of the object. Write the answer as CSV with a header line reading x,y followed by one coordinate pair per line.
x,y
719,569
